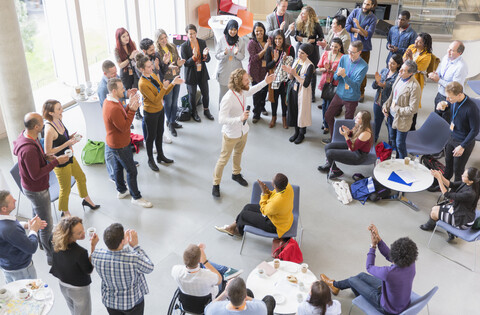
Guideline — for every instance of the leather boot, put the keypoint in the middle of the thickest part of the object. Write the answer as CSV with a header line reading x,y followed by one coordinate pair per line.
x,y
295,135
284,120
273,122
429,226
195,115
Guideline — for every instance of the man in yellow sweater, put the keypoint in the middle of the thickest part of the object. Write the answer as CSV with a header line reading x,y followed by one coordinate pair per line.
x,y
273,214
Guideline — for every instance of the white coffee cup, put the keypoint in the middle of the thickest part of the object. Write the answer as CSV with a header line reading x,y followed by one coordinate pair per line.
x,y
23,293
406,160
69,152
91,231
78,137
3,293
260,272
276,263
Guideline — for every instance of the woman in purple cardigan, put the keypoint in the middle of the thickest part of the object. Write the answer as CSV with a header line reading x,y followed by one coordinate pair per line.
x,y
387,288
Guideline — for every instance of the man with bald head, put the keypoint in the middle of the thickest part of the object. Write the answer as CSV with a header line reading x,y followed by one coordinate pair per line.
x,y
34,174
451,68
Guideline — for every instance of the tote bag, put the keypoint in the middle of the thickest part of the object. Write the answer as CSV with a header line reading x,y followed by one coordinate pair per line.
x,y
93,152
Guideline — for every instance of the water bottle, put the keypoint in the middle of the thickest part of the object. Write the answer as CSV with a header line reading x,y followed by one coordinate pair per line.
x,y
377,161
417,161
394,155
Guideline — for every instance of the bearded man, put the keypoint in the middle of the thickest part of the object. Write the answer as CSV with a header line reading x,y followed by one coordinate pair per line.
x,y
233,116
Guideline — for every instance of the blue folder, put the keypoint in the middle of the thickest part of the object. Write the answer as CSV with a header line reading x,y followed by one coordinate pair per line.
x,y
397,179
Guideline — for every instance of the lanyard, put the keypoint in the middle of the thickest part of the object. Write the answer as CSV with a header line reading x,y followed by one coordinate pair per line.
x,y
279,58
64,129
278,20
231,47
241,104
350,70
458,108
151,79
36,142
332,61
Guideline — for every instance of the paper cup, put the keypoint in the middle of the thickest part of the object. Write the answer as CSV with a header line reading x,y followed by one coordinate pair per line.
x,y
406,160
276,263
78,137
304,267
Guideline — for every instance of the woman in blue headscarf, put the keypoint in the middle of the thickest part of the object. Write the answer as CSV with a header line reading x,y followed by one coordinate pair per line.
x,y
229,53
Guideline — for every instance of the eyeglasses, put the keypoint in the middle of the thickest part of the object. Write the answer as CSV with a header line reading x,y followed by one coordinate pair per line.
x,y
352,52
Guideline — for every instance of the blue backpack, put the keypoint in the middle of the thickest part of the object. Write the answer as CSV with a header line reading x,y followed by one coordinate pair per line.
x,y
362,188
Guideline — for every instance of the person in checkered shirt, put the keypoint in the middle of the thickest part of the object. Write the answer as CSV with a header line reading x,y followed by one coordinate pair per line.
x,y
122,269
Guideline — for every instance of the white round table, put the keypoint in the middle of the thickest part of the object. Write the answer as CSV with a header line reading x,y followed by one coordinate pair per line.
x,y
218,23
277,283
36,304
421,174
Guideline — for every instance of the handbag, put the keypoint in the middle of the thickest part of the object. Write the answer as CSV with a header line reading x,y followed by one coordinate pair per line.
x,y
289,251
361,189
93,153
343,191
476,224
328,91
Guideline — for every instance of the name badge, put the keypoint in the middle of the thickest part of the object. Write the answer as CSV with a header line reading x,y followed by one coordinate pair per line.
x,y
230,58
347,87
355,35
199,67
264,63
295,86
174,72
452,125
130,71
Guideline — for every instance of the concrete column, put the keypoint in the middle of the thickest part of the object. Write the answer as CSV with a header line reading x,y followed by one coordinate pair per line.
x,y
16,98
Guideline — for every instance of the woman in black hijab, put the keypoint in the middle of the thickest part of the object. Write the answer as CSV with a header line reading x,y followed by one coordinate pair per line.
x,y
229,53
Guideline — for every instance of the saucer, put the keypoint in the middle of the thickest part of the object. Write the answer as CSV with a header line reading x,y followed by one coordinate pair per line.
x,y
7,297
40,295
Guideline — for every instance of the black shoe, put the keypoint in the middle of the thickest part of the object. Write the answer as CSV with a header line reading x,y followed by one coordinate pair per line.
x,y
239,179
173,132
320,106
326,141
264,113
85,203
362,98
132,127
451,237
335,173
326,131
195,116
152,165
324,168
138,116
299,139
433,188
429,226
294,137
206,113
162,158
255,119
176,125
168,124
216,191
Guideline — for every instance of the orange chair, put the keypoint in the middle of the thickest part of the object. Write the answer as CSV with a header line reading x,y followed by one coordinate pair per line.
x,y
228,7
247,22
204,15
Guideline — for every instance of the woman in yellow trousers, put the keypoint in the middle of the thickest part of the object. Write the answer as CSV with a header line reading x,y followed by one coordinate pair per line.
x,y
57,141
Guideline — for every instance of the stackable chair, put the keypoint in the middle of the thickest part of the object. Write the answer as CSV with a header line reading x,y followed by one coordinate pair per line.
x,y
54,188
204,16
468,235
247,22
227,7
430,138
256,192
417,303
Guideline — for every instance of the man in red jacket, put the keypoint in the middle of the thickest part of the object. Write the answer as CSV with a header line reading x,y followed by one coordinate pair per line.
x,y
34,167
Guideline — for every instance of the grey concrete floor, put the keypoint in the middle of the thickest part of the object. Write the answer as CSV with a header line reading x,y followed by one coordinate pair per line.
x,y
335,238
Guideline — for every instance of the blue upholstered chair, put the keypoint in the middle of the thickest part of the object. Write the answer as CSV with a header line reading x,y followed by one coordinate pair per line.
x,y
468,235
430,138
477,101
54,188
256,192
417,303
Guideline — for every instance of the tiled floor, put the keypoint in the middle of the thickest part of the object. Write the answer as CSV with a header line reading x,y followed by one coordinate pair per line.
x,y
335,238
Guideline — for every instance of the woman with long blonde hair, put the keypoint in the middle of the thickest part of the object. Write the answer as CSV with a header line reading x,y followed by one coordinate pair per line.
x,y
309,31
71,264
355,149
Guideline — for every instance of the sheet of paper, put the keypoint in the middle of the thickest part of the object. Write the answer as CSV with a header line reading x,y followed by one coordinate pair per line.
x,y
407,176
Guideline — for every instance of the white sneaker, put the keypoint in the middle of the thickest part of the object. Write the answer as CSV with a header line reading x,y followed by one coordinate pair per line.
x,y
142,202
166,139
123,195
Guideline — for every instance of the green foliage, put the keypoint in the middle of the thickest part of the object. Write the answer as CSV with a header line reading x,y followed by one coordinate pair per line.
x,y
27,26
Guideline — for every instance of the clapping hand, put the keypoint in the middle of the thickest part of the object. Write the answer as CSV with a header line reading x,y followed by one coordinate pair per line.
x,y
178,80
322,43
282,25
180,62
378,78
205,51
131,92
409,54
235,50
276,54
166,58
269,43
263,187
341,72
287,69
269,78
375,237
132,237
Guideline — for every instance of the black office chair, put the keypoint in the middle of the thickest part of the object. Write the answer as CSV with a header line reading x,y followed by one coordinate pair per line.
x,y
187,304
